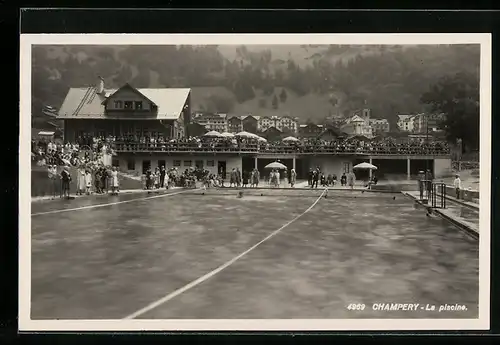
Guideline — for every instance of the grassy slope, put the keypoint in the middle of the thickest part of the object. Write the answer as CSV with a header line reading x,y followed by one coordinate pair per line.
x,y
309,106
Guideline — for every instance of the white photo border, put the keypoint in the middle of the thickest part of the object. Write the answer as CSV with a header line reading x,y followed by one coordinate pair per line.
x,y
27,324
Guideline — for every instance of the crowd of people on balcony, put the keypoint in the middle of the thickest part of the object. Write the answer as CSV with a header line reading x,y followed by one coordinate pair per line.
x,y
303,145
59,153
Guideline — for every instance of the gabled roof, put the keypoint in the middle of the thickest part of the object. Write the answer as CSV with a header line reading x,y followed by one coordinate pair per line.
x,y
272,129
379,121
234,117
252,116
405,117
85,103
204,117
127,86
310,125
333,131
356,118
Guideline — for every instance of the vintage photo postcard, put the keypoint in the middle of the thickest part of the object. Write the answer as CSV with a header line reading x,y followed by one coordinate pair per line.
x,y
255,182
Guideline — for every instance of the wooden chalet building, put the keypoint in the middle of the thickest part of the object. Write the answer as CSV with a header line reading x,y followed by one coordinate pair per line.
x,y
125,111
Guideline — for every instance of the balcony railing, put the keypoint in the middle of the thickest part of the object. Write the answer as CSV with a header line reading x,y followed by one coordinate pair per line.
x,y
273,149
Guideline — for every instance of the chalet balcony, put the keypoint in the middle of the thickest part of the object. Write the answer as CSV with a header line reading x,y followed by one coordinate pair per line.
x,y
122,147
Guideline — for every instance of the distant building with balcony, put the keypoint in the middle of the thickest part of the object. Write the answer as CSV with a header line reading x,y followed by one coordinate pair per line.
x,y
358,126
248,123
423,121
406,123
379,126
282,123
212,122
234,124
125,111
310,130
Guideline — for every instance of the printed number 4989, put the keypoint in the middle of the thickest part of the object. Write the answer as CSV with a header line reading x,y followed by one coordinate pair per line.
x,y
353,306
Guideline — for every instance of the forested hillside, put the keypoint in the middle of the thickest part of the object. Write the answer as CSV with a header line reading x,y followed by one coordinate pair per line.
x,y
310,82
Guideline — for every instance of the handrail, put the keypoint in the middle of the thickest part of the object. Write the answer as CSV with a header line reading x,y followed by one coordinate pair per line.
x,y
253,148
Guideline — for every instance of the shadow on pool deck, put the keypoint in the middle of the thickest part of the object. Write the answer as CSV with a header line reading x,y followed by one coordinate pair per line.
x,y
106,263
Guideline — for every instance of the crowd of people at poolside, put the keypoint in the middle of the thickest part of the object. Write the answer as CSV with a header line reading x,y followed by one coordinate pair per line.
x,y
85,151
86,155
99,181
95,176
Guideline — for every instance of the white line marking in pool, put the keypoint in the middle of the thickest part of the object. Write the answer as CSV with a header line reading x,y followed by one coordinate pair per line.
x,y
207,276
108,204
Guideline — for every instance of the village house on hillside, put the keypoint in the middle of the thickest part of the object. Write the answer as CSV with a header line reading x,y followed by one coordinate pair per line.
x,y
283,123
310,130
212,122
234,123
379,126
359,125
250,123
405,122
420,123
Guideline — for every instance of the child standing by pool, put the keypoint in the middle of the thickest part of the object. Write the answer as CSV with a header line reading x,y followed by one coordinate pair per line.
x,y
114,181
457,183
88,182
157,178
343,180
350,179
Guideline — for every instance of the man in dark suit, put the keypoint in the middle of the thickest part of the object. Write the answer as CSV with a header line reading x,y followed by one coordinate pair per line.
x,y
310,177
163,172
315,178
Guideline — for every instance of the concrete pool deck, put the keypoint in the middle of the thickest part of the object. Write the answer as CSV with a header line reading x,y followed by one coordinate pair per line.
x,y
463,214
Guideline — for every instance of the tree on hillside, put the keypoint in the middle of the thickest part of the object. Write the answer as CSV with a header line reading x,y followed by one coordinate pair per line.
x,y
275,102
457,97
220,104
143,78
268,87
243,91
279,76
297,81
125,76
333,100
283,96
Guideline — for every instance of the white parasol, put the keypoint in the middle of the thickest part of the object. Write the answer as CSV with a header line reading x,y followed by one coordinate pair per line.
x,y
227,135
290,139
275,165
262,139
212,134
365,166
247,135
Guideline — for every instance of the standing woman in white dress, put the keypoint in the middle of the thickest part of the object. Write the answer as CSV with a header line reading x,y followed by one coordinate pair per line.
x,y
80,182
88,182
114,181
293,177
